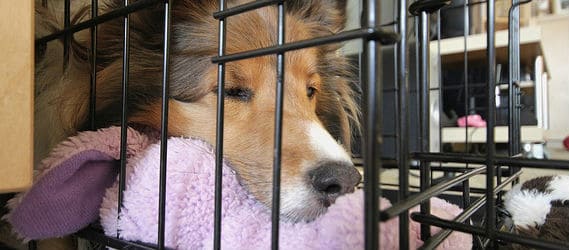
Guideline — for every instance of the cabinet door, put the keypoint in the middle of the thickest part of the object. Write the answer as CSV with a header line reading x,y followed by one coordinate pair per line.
x,y
16,94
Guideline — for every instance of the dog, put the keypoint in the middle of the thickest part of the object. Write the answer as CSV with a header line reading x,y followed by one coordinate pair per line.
x,y
321,112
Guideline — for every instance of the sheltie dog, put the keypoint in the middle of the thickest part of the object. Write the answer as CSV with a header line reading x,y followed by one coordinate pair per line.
x,y
320,108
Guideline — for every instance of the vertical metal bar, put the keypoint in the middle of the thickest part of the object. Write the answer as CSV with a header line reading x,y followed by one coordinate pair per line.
x,y
403,122
67,38
466,193
467,107
491,149
124,111
32,245
164,126
417,72
93,83
424,101
371,86
440,79
275,212
513,79
219,131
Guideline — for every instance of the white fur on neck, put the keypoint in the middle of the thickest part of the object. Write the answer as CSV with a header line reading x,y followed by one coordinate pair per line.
x,y
530,207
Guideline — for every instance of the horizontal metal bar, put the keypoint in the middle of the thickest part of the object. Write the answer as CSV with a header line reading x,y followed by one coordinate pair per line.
x,y
449,7
96,235
244,8
427,6
138,5
437,239
426,194
503,236
503,161
385,37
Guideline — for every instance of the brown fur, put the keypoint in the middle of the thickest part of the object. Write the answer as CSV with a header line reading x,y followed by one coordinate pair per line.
x,y
541,184
554,229
248,136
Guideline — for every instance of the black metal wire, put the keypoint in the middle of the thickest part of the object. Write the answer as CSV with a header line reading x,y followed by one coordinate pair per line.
x,y
467,108
473,3
427,6
32,245
124,113
219,131
502,161
439,87
424,103
514,77
402,127
371,86
275,211
95,234
93,82
383,36
244,8
67,38
164,125
491,121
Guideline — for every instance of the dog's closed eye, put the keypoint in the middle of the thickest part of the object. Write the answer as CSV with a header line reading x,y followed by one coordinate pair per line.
x,y
237,93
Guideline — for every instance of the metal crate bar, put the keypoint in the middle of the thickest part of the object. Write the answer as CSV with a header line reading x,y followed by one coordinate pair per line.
x,y
424,99
136,6
426,194
437,239
402,124
502,236
384,37
491,122
67,38
466,85
371,146
97,235
275,210
244,8
219,131
513,77
93,82
164,124
124,112
503,161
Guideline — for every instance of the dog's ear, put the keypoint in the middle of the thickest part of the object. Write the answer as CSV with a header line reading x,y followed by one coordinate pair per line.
x,y
337,104
330,14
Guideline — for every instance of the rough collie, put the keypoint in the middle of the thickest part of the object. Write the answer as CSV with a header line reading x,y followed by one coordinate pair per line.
x,y
320,109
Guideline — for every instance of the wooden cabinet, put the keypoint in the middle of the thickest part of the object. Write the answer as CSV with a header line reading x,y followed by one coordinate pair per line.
x,y
16,94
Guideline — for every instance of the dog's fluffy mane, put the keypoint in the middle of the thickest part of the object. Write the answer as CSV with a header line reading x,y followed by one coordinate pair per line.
x,y
63,95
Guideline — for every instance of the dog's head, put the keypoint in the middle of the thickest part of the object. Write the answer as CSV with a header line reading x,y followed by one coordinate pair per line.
x,y
320,111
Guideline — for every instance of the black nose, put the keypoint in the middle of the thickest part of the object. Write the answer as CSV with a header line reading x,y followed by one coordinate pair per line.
x,y
332,179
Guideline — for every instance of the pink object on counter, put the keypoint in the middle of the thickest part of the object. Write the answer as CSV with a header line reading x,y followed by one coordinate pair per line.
x,y
472,121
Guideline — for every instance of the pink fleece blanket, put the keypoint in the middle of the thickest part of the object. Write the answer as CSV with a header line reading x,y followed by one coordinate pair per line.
x,y
75,187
